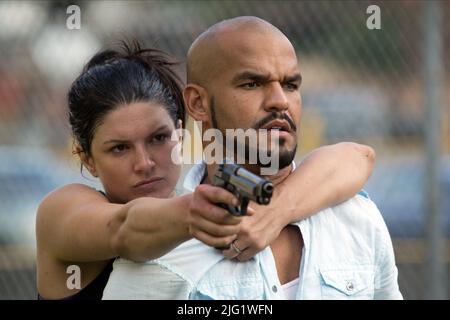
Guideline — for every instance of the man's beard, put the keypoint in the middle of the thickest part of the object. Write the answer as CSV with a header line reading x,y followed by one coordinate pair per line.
x,y
285,157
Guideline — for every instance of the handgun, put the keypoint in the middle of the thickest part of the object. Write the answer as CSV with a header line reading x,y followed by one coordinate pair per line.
x,y
244,185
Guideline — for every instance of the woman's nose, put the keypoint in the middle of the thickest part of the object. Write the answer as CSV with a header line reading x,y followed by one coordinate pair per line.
x,y
143,160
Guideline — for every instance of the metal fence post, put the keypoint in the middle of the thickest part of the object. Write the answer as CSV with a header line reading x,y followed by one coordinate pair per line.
x,y
432,51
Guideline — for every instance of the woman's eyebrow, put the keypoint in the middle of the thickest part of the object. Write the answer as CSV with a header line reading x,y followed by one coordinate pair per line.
x,y
161,127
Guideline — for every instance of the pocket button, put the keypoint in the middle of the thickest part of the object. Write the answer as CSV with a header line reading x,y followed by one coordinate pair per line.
x,y
350,286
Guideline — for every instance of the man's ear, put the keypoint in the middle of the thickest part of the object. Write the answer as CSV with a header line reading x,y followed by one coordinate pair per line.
x,y
179,127
87,161
196,100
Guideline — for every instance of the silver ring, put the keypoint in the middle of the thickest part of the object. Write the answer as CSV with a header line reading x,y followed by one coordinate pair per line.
x,y
236,249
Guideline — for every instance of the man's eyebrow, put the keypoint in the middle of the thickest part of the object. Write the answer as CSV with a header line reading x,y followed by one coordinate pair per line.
x,y
250,75
294,78
260,77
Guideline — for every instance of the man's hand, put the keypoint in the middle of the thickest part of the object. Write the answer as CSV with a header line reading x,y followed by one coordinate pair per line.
x,y
210,223
258,229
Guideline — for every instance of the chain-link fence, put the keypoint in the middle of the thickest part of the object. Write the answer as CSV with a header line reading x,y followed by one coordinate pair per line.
x,y
363,80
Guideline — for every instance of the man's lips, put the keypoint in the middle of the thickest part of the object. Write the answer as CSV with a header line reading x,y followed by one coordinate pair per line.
x,y
281,125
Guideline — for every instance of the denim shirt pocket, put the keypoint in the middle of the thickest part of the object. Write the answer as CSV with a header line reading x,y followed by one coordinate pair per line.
x,y
235,289
230,280
348,283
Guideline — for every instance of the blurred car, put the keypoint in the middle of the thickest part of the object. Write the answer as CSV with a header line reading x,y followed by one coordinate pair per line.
x,y
26,176
398,188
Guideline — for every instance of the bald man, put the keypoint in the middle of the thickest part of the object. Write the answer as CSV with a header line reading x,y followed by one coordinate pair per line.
x,y
236,79
243,73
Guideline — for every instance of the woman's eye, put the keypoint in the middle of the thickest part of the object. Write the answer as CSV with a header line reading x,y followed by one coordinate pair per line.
x,y
119,148
160,138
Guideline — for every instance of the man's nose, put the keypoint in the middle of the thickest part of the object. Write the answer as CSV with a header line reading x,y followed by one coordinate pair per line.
x,y
143,160
276,99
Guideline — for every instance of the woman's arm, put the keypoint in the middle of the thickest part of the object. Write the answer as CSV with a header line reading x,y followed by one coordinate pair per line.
x,y
151,227
327,176
77,224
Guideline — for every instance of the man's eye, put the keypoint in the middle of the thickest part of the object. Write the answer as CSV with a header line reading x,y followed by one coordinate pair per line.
x,y
119,148
291,86
250,85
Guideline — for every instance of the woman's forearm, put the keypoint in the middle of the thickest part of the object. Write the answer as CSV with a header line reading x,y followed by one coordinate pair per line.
x,y
328,176
147,228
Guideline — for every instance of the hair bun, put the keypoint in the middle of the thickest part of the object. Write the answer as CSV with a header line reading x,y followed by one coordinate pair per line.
x,y
102,57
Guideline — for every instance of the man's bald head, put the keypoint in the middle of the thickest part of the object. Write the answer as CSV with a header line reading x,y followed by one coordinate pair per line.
x,y
205,56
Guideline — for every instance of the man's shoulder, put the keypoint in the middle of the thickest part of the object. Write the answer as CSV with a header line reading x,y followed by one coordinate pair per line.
x,y
357,223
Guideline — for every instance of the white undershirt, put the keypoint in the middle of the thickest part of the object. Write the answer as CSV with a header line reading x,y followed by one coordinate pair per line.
x,y
290,289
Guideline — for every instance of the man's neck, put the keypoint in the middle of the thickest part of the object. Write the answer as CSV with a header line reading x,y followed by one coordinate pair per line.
x,y
276,179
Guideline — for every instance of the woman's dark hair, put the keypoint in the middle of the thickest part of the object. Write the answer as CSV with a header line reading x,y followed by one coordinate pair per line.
x,y
119,77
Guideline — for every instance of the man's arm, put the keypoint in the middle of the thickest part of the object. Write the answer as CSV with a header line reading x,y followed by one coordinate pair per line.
x,y
386,278
327,176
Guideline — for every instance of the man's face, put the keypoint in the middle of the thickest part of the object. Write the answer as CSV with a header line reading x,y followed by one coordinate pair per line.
x,y
256,85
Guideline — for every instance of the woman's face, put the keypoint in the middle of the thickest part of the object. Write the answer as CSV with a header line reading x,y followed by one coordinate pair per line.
x,y
131,153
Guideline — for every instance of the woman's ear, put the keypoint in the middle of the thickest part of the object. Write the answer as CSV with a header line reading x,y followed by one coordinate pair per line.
x,y
196,100
87,161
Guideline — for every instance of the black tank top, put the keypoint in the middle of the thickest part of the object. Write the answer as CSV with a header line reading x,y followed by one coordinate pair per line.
x,y
94,290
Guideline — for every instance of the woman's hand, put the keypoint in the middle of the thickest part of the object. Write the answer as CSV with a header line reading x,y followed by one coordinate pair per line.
x,y
210,223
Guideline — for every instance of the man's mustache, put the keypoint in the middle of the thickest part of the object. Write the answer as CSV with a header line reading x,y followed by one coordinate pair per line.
x,y
275,116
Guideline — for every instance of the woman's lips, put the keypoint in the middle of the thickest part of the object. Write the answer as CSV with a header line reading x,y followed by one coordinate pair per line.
x,y
148,184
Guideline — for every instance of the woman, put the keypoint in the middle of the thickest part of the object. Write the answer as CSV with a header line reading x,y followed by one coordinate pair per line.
x,y
123,110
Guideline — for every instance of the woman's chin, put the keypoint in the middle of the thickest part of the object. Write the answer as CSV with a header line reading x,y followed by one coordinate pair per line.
x,y
162,194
